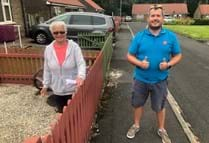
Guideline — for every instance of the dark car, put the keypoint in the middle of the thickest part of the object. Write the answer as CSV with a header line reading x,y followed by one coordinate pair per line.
x,y
76,22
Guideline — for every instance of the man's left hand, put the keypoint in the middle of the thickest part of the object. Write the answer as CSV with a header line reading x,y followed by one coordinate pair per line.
x,y
164,66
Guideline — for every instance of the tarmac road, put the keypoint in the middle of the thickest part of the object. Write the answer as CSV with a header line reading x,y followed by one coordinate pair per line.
x,y
190,85
117,114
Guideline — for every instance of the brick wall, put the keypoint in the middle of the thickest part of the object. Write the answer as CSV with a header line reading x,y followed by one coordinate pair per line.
x,y
17,14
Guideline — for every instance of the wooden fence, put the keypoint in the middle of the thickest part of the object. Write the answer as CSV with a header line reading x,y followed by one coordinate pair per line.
x,y
74,124
19,66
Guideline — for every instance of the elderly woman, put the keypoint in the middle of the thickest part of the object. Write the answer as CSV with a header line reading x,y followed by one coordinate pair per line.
x,y
64,66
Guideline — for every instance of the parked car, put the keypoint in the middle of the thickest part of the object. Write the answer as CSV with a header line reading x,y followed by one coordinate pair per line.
x,y
76,22
168,19
128,18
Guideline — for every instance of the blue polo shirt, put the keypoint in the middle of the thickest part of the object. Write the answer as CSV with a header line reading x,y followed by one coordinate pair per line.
x,y
156,49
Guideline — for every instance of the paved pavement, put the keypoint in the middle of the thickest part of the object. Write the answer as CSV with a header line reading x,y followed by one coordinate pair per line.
x,y
116,115
26,43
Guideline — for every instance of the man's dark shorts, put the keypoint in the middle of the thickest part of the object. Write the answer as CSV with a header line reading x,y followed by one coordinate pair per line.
x,y
157,91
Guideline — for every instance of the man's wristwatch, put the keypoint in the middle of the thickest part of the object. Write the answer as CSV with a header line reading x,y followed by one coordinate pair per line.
x,y
169,66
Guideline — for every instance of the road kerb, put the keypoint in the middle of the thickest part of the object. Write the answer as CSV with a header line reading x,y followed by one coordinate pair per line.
x,y
185,125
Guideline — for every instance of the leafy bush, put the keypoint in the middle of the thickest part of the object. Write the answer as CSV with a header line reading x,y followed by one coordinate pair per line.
x,y
201,22
182,21
173,22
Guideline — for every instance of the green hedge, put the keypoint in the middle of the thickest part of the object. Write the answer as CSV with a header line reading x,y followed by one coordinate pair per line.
x,y
201,22
185,21
188,21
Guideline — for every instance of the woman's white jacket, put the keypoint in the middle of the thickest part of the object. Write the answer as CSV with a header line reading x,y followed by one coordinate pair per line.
x,y
56,75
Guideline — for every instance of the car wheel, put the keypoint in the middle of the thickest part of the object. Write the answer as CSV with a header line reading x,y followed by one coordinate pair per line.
x,y
41,38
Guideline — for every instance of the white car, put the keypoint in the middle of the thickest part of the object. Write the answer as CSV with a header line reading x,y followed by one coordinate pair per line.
x,y
168,19
128,18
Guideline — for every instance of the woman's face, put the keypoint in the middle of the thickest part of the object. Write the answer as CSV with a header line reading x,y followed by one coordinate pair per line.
x,y
59,33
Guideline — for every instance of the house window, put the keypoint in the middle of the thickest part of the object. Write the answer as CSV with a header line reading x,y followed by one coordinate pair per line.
x,y
57,11
5,9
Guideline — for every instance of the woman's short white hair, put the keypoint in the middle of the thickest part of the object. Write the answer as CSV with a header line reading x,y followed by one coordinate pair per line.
x,y
57,23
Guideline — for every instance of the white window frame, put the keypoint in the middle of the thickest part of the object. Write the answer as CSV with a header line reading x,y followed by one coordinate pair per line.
x,y
57,10
5,3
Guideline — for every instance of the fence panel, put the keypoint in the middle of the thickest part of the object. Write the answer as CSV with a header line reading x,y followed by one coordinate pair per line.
x,y
74,124
18,66
92,40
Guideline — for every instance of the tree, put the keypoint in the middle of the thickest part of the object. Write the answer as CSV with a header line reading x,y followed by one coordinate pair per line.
x,y
192,5
110,6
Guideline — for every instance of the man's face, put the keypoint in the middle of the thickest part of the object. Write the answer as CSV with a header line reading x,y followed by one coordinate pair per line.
x,y
155,19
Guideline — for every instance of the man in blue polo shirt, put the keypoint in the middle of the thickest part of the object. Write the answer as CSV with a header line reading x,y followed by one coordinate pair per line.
x,y
153,51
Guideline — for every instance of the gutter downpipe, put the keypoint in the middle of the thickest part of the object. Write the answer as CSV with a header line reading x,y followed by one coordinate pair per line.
x,y
24,17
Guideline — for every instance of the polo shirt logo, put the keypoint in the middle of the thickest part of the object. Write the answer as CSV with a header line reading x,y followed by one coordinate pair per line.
x,y
165,42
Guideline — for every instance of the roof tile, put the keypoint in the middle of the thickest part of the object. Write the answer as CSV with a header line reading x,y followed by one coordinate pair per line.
x,y
204,9
169,8
68,2
94,5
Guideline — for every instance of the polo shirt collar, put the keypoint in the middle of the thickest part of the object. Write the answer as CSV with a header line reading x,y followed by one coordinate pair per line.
x,y
162,31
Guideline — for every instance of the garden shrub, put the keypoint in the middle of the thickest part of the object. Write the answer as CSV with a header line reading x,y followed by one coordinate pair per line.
x,y
201,22
182,21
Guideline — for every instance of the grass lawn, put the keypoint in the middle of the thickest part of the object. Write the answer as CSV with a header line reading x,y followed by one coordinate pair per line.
x,y
199,32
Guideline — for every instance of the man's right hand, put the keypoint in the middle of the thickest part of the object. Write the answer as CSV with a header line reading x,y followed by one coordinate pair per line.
x,y
145,63
44,92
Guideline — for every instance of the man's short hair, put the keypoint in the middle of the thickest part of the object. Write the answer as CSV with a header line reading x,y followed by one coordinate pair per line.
x,y
156,7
